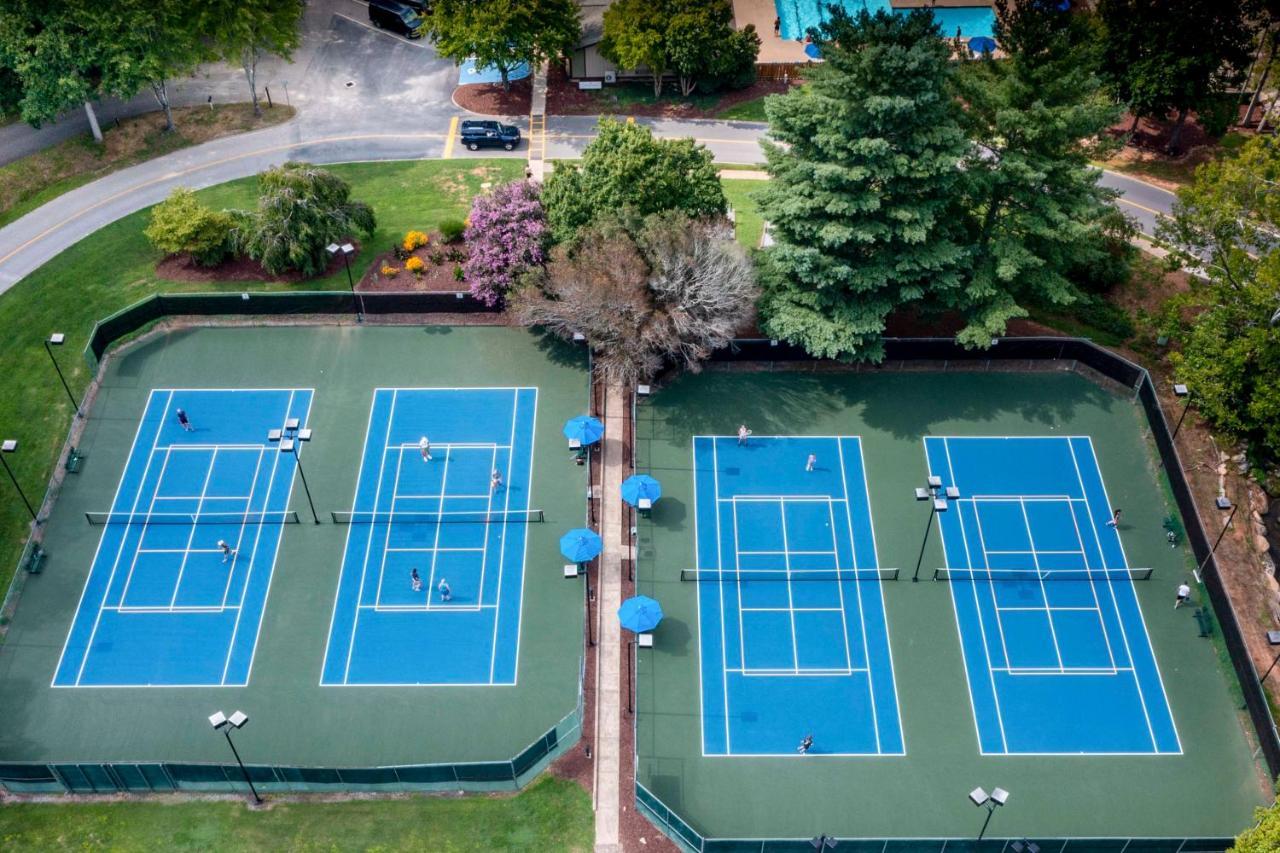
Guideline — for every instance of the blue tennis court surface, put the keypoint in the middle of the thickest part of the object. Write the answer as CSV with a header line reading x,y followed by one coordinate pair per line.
x,y
443,518
1056,649
163,605
792,628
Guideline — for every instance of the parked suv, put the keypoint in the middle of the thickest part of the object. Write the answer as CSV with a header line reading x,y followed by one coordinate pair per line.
x,y
476,133
397,17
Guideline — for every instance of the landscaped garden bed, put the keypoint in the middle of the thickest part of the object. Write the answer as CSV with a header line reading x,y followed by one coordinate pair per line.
x,y
422,261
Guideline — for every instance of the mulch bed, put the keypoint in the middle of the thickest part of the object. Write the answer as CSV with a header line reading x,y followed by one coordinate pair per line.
x,y
434,278
491,99
181,267
565,98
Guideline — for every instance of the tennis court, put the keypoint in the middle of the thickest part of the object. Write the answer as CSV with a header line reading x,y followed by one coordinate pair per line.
x,y
789,600
1055,646
163,604
433,570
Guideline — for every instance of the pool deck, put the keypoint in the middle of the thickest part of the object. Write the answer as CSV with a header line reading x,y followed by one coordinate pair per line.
x,y
772,48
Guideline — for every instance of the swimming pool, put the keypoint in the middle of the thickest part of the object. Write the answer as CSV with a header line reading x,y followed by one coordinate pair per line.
x,y
799,15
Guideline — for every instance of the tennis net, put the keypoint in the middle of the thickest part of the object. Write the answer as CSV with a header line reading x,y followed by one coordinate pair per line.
x,y
192,518
749,575
1037,575
527,516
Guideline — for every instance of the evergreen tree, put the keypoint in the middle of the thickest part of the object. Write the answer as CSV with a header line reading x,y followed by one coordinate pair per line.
x,y
863,194
1033,206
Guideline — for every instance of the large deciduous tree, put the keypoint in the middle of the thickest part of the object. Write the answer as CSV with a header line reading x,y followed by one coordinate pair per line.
x,y
1228,224
503,34
865,185
241,32
50,49
1173,56
624,167
145,43
1033,206
301,210
667,293
695,39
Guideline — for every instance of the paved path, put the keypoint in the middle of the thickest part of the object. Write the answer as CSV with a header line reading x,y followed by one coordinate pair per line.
x,y
610,649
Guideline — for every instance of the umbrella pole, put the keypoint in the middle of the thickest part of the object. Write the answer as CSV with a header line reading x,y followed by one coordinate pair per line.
x,y
631,649
591,639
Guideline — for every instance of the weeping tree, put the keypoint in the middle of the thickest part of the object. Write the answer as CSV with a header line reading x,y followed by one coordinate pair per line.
x,y
301,210
669,292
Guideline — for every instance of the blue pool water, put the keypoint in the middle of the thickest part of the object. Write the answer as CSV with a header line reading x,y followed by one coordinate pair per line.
x,y
799,15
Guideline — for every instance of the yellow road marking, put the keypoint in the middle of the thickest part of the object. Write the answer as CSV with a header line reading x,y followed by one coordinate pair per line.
x,y
449,138
1154,212
1139,181
181,172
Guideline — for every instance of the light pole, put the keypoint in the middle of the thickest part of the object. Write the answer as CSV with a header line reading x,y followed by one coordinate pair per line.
x,y
347,251
1185,393
1223,503
57,339
1273,637
222,723
9,446
288,439
822,843
992,801
938,504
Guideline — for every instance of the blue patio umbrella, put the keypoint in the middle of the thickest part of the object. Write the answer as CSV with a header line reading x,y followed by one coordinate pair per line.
x,y
640,614
982,44
812,51
640,486
580,544
584,428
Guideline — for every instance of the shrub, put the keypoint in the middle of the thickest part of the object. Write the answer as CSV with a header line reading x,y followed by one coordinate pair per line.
x,y
301,210
459,274
507,236
390,271
1103,315
414,240
181,223
415,265
451,229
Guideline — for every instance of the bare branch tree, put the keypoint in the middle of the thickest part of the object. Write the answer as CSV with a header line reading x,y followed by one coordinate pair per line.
x,y
672,294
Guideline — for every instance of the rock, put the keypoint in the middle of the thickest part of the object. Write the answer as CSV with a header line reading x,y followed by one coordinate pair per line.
x,y
1260,544
1258,500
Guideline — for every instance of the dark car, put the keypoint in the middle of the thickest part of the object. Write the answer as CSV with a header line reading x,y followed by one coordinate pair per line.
x,y
397,17
477,133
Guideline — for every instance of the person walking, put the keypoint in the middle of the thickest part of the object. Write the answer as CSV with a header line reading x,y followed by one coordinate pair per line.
x,y
227,551
1115,520
806,744
811,461
424,447
415,580
495,481
1184,593
184,421
446,594
743,434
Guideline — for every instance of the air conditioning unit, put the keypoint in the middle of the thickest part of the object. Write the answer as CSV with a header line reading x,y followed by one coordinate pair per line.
x,y
611,77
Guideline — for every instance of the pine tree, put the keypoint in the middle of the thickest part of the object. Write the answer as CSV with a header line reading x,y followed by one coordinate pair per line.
x,y
863,194
1034,209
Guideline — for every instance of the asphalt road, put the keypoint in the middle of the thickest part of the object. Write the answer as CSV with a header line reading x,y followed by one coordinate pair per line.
x,y
362,94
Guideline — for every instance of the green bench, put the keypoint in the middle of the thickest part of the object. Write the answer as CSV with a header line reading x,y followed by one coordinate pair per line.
x,y
35,560
74,459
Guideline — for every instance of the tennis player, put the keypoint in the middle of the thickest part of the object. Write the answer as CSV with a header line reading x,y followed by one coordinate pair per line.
x,y
227,551
1115,520
495,481
1184,592
743,434
424,445
806,744
415,580
811,461
446,594
183,421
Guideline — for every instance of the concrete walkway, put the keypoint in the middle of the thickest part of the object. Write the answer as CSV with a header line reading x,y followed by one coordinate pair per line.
x,y
609,651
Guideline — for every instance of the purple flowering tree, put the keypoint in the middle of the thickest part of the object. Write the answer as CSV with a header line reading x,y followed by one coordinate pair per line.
x,y
506,236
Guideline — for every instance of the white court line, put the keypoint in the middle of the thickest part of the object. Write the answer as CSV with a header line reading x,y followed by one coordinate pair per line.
x,y
1124,633
1093,586
430,550
179,609
1044,593
488,533
253,559
142,533
998,628
435,548
964,538
792,610
862,613
844,619
368,545
724,642
191,535
524,554
235,556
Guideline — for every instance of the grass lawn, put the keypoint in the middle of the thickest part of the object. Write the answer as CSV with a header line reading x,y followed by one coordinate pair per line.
x,y
745,111
27,183
750,225
551,815
115,267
